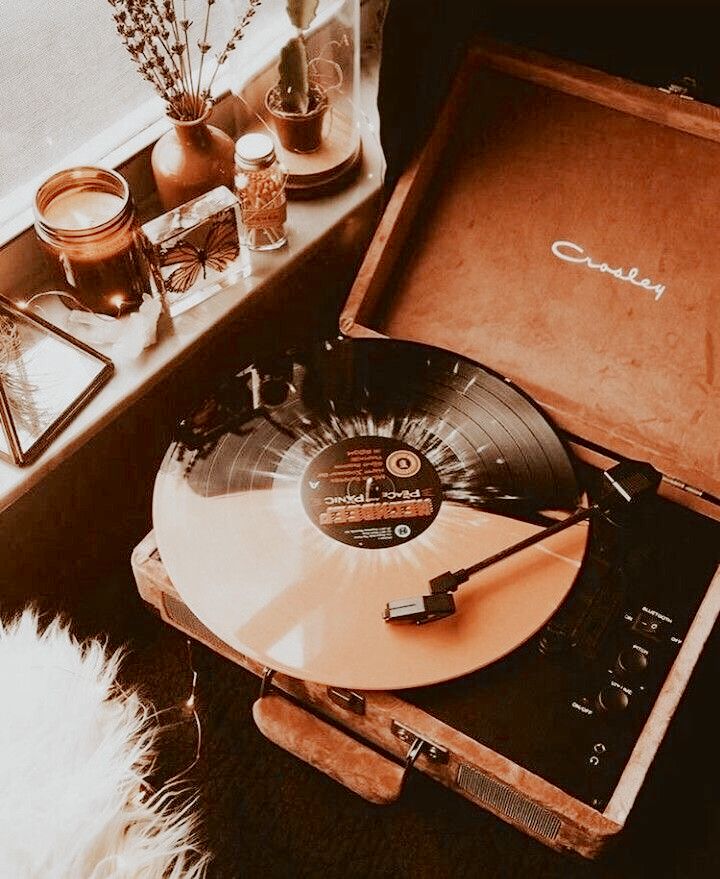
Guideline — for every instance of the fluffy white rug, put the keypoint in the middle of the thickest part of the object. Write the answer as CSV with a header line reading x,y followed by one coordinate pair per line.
x,y
75,752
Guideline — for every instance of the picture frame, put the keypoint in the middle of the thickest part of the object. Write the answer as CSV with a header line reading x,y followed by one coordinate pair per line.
x,y
46,377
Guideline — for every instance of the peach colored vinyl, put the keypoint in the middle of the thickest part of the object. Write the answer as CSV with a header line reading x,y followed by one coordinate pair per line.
x,y
254,569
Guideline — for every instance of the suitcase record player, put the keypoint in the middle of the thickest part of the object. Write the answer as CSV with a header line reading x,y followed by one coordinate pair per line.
x,y
557,229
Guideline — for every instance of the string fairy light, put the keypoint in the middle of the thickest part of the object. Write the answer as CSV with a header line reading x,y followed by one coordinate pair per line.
x,y
187,707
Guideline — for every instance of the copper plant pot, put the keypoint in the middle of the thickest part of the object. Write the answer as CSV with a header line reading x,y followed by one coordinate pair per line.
x,y
299,132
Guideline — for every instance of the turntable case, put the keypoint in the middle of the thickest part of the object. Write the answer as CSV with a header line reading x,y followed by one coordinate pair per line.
x,y
558,227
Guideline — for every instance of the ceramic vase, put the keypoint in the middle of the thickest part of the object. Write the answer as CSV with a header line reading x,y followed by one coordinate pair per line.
x,y
190,159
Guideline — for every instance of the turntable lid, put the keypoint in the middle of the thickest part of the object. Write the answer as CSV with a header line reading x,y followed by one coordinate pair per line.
x,y
568,241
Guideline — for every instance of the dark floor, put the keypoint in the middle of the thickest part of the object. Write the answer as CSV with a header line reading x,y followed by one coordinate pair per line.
x,y
266,814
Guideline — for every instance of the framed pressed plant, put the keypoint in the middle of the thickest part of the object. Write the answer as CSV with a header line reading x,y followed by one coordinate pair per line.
x,y
46,377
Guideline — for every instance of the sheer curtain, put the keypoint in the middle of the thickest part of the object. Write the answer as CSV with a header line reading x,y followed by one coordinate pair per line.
x,y
73,95
67,78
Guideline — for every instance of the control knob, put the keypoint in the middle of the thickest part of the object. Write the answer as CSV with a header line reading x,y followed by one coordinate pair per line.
x,y
631,663
611,700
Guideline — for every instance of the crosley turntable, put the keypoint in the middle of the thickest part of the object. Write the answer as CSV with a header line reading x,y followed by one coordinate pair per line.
x,y
549,231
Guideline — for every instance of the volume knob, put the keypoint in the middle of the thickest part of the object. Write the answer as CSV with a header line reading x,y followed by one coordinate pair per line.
x,y
611,700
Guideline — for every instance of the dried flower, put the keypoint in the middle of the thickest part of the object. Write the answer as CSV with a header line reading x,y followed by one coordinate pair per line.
x,y
236,35
158,41
20,391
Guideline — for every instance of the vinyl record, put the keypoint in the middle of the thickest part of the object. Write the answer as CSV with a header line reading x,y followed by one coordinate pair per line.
x,y
314,489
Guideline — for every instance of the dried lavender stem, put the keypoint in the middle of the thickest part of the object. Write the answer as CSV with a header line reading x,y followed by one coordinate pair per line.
x,y
156,80
178,42
237,34
163,41
203,53
186,28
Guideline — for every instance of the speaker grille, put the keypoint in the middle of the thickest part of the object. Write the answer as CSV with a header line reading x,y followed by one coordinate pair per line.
x,y
181,616
508,802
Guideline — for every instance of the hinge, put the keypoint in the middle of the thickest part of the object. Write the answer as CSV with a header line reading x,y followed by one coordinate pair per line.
x,y
682,89
434,752
678,483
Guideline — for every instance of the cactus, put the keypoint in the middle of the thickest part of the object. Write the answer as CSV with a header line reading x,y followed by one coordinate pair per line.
x,y
294,86
302,12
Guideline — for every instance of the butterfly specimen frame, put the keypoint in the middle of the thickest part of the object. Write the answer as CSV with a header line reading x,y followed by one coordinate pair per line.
x,y
196,249
46,377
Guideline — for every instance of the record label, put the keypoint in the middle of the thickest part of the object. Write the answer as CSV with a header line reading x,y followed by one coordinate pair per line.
x,y
371,492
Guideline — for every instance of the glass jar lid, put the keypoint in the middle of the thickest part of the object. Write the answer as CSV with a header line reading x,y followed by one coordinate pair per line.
x,y
255,150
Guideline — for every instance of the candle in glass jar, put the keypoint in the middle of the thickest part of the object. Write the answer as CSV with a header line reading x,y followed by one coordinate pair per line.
x,y
83,209
85,219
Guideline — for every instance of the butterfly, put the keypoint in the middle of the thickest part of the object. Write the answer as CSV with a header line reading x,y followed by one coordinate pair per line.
x,y
219,249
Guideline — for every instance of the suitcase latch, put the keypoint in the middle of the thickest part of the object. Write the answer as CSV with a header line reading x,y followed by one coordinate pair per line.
x,y
419,744
348,699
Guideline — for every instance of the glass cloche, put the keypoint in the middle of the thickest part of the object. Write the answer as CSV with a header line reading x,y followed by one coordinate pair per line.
x,y
304,88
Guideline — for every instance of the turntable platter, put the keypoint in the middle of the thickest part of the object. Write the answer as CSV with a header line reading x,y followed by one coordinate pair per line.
x,y
289,535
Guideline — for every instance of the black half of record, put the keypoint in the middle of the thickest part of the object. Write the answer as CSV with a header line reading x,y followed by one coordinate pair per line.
x,y
489,442
391,377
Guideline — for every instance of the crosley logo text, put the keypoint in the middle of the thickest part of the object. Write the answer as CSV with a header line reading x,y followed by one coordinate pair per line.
x,y
568,251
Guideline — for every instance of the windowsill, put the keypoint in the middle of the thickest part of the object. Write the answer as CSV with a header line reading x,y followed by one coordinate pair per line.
x,y
340,218
336,224
122,142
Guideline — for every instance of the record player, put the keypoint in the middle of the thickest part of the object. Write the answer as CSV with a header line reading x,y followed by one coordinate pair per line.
x,y
524,393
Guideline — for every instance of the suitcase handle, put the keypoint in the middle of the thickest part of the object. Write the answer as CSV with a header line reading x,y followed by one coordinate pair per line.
x,y
347,761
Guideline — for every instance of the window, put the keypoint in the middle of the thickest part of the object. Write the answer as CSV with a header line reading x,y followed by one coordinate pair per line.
x,y
72,93
65,78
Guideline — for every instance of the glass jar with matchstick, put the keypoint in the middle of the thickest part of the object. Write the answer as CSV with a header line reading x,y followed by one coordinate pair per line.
x,y
260,188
